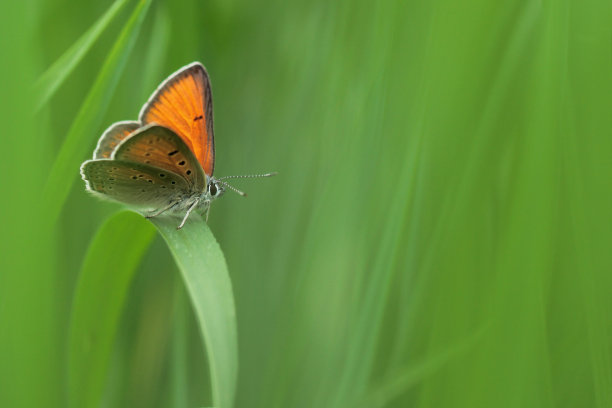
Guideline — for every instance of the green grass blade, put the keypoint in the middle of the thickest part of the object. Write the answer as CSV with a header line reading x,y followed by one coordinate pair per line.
x,y
157,52
56,74
404,378
208,284
85,126
108,269
179,347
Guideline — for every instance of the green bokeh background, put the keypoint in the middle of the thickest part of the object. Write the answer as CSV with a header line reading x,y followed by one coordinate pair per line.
x,y
438,235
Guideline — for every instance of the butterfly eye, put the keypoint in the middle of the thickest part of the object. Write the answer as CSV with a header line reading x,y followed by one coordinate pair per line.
x,y
213,189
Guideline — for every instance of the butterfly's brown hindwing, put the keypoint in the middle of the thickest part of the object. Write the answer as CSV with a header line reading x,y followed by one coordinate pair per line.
x,y
112,136
160,147
136,184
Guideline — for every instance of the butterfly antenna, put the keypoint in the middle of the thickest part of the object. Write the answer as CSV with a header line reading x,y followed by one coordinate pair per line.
x,y
249,176
234,189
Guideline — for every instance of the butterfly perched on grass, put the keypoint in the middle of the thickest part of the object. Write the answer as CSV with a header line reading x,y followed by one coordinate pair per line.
x,y
163,162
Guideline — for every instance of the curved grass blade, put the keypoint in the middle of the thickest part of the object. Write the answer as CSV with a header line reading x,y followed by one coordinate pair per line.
x,y
401,380
208,284
57,73
106,274
66,166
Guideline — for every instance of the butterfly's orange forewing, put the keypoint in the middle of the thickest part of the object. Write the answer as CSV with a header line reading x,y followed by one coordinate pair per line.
x,y
183,103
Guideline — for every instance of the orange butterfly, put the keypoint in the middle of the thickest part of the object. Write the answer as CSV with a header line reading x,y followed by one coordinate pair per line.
x,y
165,161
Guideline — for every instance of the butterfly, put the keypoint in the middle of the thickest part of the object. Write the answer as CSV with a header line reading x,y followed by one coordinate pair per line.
x,y
164,162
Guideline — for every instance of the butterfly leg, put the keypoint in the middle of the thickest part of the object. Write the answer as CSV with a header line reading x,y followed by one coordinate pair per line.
x,y
195,203
163,210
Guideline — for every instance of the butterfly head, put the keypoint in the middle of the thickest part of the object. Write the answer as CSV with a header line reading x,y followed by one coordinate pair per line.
x,y
214,189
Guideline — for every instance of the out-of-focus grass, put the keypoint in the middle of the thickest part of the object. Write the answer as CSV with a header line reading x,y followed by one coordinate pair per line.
x,y
98,302
90,115
30,326
444,176
52,78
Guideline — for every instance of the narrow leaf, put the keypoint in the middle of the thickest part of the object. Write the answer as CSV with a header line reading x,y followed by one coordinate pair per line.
x,y
208,284
57,73
74,149
108,269
401,380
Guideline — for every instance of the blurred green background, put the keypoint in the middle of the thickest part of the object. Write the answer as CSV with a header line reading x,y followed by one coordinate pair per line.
x,y
438,235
